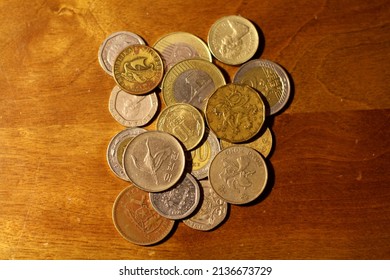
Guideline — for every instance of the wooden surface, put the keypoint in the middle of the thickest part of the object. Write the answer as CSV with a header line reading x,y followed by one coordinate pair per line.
x,y
329,193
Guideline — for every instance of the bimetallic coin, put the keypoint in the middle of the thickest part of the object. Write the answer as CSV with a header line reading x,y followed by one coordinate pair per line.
x,y
179,201
116,148
203,155
238,174
113,45
212,211
183,121
269,79
235,113
191,81
261,143
136,220
138,69
132,110
233,40
177,46
154,161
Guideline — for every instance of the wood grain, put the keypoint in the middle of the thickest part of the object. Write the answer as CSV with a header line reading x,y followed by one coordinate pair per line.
x,y
329,192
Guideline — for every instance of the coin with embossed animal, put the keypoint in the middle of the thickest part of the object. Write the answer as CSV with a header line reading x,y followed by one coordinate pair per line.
x,y
202,156
138,69
132,110
179,201
116,148
238,174
136,220
235,113
269,79
212,211
183,121
261,143
113,45
191,81
154,161
177,46
233,39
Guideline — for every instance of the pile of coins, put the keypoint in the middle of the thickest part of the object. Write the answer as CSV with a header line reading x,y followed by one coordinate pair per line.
x,y
211,141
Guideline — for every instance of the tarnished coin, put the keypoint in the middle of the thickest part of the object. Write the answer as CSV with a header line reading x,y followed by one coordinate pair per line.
x,y
235,113
136,220
261,143
238,174
154,161
112,46
116,148
138,69
233,40
191,81
177,46
212,211
269,79
183,121
179,201
132,110
204,154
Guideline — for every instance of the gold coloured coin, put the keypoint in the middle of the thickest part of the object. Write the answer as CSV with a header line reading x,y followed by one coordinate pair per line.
x,y
138,69
233,40
136,220
183,121
238,174
235,113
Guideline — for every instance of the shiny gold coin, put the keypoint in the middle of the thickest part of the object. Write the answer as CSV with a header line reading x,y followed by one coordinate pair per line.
x,y
136,220
138,69
191,81
261,143
238,174
235,113
183,121
233,40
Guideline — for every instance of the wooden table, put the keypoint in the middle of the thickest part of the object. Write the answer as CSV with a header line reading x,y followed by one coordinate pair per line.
x,y
329,191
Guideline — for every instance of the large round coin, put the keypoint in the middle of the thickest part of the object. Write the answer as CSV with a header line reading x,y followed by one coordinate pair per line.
x,y
235,113
191,81
268,78
238,174
233,40
136,220
154,161
183,121
138,69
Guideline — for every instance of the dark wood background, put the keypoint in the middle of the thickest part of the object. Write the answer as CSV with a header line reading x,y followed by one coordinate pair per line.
x,y
329,193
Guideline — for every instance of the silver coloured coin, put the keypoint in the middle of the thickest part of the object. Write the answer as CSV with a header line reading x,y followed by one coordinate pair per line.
x,y
113,45
132,110
116,148
179,201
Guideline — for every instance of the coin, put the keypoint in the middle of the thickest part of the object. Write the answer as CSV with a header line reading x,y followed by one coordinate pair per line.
x,y
112,46
269,79
136,220
233,40
132,110
177,46
183,121
261,143
212,211
235,113
116,148
179,201
154,161
203,155
238,174
191,81
138,69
